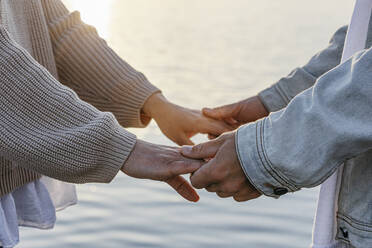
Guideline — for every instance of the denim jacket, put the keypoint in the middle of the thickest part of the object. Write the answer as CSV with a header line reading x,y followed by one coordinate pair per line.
x,y
321,118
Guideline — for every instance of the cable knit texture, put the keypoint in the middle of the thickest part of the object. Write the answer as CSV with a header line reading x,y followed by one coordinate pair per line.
x,y
47,128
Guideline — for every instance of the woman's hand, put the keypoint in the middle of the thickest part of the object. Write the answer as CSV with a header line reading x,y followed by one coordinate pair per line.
x,y
239,113
162,163
180,124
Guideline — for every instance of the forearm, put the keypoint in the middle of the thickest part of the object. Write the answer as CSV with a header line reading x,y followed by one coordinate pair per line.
x,y
93,70
281,93
303,144
46,128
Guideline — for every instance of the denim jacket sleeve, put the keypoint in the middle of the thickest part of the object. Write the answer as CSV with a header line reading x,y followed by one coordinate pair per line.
x,y
322,127
278,95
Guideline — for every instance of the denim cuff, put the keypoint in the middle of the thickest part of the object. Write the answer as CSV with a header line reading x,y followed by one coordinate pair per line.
x,y
254,162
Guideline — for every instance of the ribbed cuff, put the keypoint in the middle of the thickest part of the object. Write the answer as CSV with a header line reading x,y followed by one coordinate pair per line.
x,y
272,99
255,164
129,114
121,145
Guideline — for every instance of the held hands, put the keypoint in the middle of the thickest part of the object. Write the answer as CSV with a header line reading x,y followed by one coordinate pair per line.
x,y
162,163
222,173
214,164
237,114
180,124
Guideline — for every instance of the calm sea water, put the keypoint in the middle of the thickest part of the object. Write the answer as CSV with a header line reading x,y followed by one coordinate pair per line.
x,y
200,53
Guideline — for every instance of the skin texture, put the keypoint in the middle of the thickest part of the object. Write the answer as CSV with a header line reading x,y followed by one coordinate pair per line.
x,y
237,114
150,161
162,163
222,173
180,124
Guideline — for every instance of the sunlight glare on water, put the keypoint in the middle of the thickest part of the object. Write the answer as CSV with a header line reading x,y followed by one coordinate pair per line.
x,y
96,13
200,53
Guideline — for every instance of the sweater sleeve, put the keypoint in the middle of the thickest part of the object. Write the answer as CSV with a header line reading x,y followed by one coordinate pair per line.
x,y
46,128
93,70
282,92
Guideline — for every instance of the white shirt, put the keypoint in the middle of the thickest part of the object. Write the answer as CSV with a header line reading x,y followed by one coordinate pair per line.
x,y
33,205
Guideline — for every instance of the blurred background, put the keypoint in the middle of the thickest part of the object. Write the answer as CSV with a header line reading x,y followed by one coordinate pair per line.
x,y
200,53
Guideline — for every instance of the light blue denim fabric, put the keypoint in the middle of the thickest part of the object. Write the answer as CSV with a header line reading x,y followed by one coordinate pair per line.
x,y
323,119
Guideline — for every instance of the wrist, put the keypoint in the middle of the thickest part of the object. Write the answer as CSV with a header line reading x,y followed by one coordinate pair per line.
x,y
138,148
260,107
154,105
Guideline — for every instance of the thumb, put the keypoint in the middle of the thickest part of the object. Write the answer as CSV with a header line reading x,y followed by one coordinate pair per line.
x,y
214,127
204,150
185,166
219,112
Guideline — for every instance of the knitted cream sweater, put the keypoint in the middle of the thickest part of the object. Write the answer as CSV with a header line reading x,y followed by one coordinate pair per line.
x,y
44,126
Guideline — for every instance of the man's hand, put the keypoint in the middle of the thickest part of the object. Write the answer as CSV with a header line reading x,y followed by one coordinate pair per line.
x,y
180,124
236,114
222,173
162,163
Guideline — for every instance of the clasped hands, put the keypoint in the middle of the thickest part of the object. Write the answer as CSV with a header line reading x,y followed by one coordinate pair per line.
x,y
213,165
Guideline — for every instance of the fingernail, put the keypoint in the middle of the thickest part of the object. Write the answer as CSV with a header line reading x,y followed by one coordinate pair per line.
x,y
186,149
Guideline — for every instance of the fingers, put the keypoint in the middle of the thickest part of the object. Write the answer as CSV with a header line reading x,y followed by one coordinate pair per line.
x,y
232,122
219,112
202,177
203,150
215,128
225,188
226,116
213,188
224,195
183,188
185,166
246,194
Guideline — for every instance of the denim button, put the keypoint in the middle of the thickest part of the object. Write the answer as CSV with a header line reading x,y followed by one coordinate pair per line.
x,y
280,191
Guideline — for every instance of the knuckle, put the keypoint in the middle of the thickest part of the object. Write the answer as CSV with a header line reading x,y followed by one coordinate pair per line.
x,y
222,194
241,184
195,183
228,188
210,190
255,194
